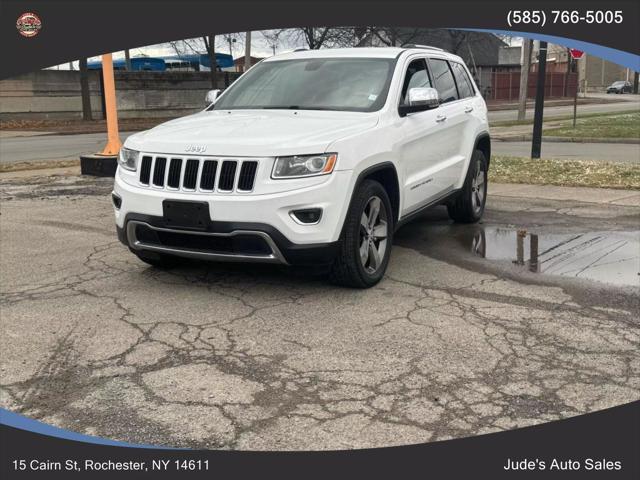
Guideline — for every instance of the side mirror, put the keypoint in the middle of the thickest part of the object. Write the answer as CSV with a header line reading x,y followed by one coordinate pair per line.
x,y
420,99
212,96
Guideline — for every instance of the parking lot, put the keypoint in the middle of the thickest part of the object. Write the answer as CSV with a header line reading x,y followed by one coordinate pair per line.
x,y
456,341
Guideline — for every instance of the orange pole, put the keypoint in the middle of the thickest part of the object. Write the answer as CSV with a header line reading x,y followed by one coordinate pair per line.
x,y
113,137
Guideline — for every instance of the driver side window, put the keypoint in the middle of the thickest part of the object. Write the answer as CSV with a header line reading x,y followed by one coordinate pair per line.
x,y
415,77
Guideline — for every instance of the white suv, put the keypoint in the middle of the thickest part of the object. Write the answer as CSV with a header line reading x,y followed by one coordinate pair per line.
x,y
310,158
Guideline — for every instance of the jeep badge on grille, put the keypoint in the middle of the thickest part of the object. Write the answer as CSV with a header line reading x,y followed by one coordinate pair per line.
x,y
195,148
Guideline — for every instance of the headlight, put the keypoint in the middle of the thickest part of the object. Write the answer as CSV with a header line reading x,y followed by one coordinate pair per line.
x,y
304,165
128,159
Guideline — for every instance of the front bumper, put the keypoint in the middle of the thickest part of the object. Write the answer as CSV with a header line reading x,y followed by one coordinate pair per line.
x,y
235,218
276,248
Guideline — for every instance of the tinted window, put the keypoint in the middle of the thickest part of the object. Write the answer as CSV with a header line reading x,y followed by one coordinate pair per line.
x,y
443,79
355,84
462,80
416,77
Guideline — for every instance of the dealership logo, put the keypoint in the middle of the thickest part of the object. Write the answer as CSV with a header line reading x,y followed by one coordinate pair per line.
x,y
195,148
28,24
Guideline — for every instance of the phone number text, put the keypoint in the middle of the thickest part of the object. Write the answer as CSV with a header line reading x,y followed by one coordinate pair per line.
x,y
540,17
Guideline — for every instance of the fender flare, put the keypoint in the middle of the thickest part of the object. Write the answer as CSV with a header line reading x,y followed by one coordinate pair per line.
x,y
368,171
480,138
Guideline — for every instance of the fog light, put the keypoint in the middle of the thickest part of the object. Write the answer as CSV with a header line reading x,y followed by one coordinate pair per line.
x,y
307,216
117,201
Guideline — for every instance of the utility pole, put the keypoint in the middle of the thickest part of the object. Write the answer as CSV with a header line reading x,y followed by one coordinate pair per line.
x,y
127,60
574,62
527,46
247,51
113,137
104,163
536,142
84,90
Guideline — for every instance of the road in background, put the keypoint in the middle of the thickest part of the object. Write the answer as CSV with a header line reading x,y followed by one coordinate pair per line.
x,y
609,152
631,102
70,147
51,147
15,149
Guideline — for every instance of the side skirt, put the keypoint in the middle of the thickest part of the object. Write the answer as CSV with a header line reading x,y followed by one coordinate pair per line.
x,y
438,201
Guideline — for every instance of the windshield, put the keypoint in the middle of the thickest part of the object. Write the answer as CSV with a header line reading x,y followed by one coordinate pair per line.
x,y
618,84
349,84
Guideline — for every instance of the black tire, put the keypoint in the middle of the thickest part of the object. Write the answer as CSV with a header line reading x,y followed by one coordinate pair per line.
x,y
156,259
348,269
467,207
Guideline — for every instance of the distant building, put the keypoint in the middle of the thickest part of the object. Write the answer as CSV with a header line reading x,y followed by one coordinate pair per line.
x,y
187,62
595,74
239,63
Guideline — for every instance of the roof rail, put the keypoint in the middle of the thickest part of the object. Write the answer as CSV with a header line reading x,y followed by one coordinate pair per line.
x,y
300,49
426,47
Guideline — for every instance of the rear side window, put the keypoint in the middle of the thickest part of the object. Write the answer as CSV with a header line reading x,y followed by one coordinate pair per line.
x,y
443,79
416,77
465,88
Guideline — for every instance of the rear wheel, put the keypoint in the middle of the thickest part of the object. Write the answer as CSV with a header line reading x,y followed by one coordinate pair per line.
x,y
468,206
365,244
156,259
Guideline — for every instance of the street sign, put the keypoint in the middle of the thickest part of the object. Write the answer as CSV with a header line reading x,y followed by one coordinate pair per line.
x,y
576,54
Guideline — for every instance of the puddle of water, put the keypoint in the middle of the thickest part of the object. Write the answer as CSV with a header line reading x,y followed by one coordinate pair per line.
x,y
610,257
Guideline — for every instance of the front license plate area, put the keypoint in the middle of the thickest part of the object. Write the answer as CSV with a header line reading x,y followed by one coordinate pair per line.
x,y
191,215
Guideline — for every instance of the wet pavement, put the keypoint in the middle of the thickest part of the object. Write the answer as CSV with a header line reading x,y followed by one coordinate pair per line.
x,y
608,257
470,331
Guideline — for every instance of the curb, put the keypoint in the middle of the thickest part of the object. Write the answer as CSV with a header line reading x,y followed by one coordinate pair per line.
x,y
527,138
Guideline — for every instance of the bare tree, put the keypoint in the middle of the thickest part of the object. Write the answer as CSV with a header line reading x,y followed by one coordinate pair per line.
x,y
84,90
210,45
191,46
313,38
391,36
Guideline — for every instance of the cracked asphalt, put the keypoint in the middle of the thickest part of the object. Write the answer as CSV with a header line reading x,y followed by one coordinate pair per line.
x,y
255,357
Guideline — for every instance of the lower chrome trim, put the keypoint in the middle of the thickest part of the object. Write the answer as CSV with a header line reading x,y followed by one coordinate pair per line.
x,y
274,257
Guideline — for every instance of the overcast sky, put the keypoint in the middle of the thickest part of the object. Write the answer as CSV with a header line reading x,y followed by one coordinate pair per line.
x,y
260,47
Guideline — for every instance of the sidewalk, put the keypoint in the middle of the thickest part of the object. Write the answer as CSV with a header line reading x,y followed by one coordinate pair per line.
x,y
603,196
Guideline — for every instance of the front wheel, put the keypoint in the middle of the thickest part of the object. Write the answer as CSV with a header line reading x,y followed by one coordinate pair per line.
x,y
468,206
365,243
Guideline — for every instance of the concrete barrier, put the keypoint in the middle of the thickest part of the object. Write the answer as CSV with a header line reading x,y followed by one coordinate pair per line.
x,y
55,94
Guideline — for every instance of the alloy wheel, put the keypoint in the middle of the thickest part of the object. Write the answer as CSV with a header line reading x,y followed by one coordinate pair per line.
x,y
373,235
478,189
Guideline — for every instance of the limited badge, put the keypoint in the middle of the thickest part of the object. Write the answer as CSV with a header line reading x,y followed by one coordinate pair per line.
x,y
28,24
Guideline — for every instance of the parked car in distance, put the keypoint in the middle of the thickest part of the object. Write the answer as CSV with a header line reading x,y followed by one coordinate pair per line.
x,y
620,87
310,158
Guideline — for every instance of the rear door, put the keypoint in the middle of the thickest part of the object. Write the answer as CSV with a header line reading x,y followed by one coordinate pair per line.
x,y
471,106
454,119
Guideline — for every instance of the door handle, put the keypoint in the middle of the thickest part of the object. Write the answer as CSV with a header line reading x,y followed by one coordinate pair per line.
x,y
468,110
441,118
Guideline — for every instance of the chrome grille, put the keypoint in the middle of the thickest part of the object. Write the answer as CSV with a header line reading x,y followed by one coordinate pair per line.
x,y
198,174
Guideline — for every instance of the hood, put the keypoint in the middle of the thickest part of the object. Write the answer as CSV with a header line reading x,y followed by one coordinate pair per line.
x,y
252,132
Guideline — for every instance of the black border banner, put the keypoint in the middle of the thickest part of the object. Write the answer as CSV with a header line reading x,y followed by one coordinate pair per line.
x,y
75,29
611,435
